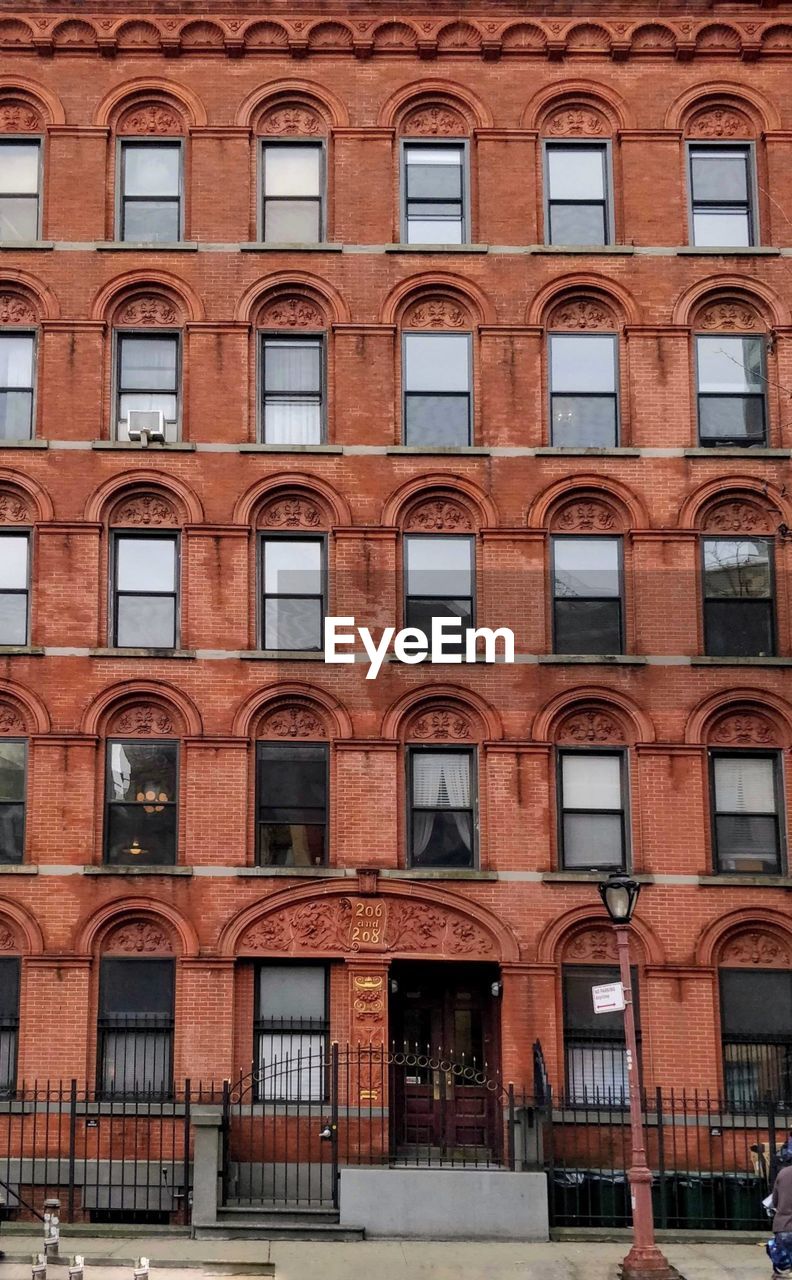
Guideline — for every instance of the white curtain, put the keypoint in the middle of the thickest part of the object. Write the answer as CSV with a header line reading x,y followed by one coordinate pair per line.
x,y
440,781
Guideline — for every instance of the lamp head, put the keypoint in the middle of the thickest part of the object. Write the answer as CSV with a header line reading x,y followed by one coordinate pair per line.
x,y
619,894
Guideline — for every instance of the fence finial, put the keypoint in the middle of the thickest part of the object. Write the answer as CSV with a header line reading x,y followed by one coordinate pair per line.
x,y
141,1271
76,1267
51,1227
38,1270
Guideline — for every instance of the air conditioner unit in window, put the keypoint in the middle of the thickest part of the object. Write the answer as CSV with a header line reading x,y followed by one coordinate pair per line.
x,y
146,425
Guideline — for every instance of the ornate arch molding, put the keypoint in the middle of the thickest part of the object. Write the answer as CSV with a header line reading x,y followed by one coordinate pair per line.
x,y
293,710
716,303
145,90
606,108
421,97
443,496
302,301
741,718
600,295
147,296
744,937
443,713
21,711
21,95
326,107
437,300
20,932
292,500
139,483
155,698
739,504
584,502
22,500
588,935
151,927
721,94
589,717
321,921
24,299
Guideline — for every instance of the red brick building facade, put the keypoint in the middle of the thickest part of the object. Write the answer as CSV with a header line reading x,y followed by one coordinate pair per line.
x,y
666,136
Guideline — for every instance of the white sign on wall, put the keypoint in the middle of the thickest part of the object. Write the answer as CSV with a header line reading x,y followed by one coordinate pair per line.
x,y
608,998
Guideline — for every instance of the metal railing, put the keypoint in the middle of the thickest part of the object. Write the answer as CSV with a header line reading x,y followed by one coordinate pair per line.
x,y
135,1057
754,1069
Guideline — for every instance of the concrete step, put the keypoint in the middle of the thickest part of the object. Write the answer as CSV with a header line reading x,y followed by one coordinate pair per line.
x,y
279,1229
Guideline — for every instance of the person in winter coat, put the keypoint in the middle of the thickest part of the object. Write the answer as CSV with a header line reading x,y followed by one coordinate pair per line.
x,y
782,1205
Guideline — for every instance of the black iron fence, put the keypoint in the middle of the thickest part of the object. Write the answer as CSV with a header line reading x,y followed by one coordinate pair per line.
x,y
755,1069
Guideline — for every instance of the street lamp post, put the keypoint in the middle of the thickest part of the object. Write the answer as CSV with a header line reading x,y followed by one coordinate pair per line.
x,y
644,1261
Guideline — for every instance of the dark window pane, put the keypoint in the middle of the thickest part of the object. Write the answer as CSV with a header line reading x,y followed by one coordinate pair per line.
x,y
420,614
738,628
16,415
579,1015
13,618
577,224
756,1004
439,420
12,832
18,218
151,221
129,987
442,838
291,993
747,843
593,840
296,844
585,421
12,770
291,778
292,221
136,1061
9,991
141,835
146,622
142,771
587,626
732,418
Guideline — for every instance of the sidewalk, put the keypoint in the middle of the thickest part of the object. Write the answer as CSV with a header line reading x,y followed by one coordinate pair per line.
x,y
377,1259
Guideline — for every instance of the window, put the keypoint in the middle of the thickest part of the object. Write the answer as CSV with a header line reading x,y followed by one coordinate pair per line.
x,y
291,1032
14,575
140,824
136,1027
292,192
434,193
721,195
16,385
148,379
756,1027
294,593
292,805
13,759
747,831
19,188
151,184
292,382
441,808
583,390
596,1059
437,388
439,579
587,595
9,1024
593,810
577,199
731,390
738,598
146,576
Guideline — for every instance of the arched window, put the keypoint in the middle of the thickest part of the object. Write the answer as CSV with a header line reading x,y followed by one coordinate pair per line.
x,y
731,373
19,333
9,1015
293,169
141,787
755,974
595,1060
746,788
578,164
150,174
293,572
292,362
22,127
144,547
442,787
147,364
593,825
437,372
435,178
587,567
137,981
583,357
292,786
738,578
721,176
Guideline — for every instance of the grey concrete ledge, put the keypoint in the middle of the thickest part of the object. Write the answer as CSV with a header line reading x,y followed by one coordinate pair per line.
x,y
730,251
436,248
261,246
458,450
591,877
282,655
739,880
436,873
24,444
736,451
26,246
141,653
703,661
21,651
569,451
590,249
136,871
18,869
311,873
146,246
609,659
291,448
170,446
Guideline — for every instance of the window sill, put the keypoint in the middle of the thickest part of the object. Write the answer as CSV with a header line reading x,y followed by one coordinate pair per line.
x,y
26,246
572,451
740,662
169,446
141,653
262,246
21,651
137,871
740,879
583,659
584,248
282,655
298,872
591,877
438,873
146,246
17,869
730,251
291,448
735,451
464,449
24,444
436,248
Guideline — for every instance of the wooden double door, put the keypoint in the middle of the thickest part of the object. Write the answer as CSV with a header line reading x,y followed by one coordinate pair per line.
x,y
445,1080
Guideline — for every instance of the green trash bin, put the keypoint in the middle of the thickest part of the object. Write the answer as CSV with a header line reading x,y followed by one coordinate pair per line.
x,y
571,1192
611,1197
742,1203
694,1202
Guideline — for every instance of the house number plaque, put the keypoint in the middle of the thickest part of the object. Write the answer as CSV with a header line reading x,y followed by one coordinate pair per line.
x,y
367,929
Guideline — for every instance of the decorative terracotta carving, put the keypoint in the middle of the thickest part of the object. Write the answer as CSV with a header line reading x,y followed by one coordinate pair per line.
x,y
395,35
763,950
16,310
291,513
294,121
416,927
581,313
11,721
590,726
201,35
152,118
139,936
440,725
292,313
465,937
436,313
598,945
18,117
653,38
7,939
590,515
148,311
145,509
438,514
138,34
76,33
323,926
460,35
291,722
720,122
589,36
368,996
13,510
272,934
145,719
727,316
435,122
738,517
266,35
744,729
719,37
576,122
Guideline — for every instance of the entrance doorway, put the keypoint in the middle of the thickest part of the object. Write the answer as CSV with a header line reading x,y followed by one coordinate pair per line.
x,y
445,1089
